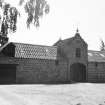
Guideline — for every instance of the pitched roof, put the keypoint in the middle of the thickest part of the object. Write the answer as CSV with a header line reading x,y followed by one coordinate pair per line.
x,y
48,52
59,42
96,56
69,40
34,51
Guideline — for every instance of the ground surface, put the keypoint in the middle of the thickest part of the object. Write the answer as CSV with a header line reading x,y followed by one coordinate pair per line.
x,y
72,94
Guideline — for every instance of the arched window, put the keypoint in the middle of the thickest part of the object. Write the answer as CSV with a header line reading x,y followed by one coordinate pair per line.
x,y
78,52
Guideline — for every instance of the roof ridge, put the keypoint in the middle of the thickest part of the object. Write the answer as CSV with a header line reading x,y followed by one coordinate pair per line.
x,y
34,44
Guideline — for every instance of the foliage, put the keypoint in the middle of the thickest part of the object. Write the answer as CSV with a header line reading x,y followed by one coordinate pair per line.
x,y
35,9
102,47
8,18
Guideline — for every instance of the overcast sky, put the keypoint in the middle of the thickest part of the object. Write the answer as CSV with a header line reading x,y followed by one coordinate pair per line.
x,y
62,21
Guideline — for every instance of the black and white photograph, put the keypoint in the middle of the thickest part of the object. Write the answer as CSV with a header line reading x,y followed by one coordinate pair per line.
x,y
52,52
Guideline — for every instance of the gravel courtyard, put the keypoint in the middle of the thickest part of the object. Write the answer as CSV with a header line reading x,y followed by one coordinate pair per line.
x,y
70,94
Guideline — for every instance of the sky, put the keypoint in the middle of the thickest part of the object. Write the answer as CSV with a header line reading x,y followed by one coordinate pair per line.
x,y
62,21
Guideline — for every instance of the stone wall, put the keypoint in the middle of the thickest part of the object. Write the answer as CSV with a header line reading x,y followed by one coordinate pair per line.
x,y
38,70
96,71
41,71
50,71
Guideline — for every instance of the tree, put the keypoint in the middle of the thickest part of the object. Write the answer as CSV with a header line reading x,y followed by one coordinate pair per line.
x,y
8,20
35,9
8,16
102,47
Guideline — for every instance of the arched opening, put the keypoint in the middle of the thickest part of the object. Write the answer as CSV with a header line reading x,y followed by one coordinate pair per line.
x,y
78,72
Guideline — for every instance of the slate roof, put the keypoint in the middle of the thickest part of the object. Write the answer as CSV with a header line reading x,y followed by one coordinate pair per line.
x,y
96,56
34,51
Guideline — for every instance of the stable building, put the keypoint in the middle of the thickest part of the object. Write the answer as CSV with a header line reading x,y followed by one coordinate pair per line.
x,y
66,61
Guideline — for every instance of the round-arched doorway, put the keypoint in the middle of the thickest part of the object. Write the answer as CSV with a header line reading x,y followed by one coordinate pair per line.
x,y
78,72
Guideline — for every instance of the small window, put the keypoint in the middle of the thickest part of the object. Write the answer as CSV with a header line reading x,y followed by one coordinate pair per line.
x,y
78,52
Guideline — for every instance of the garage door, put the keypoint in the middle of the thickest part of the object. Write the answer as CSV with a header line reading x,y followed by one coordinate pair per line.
x,y
7,73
